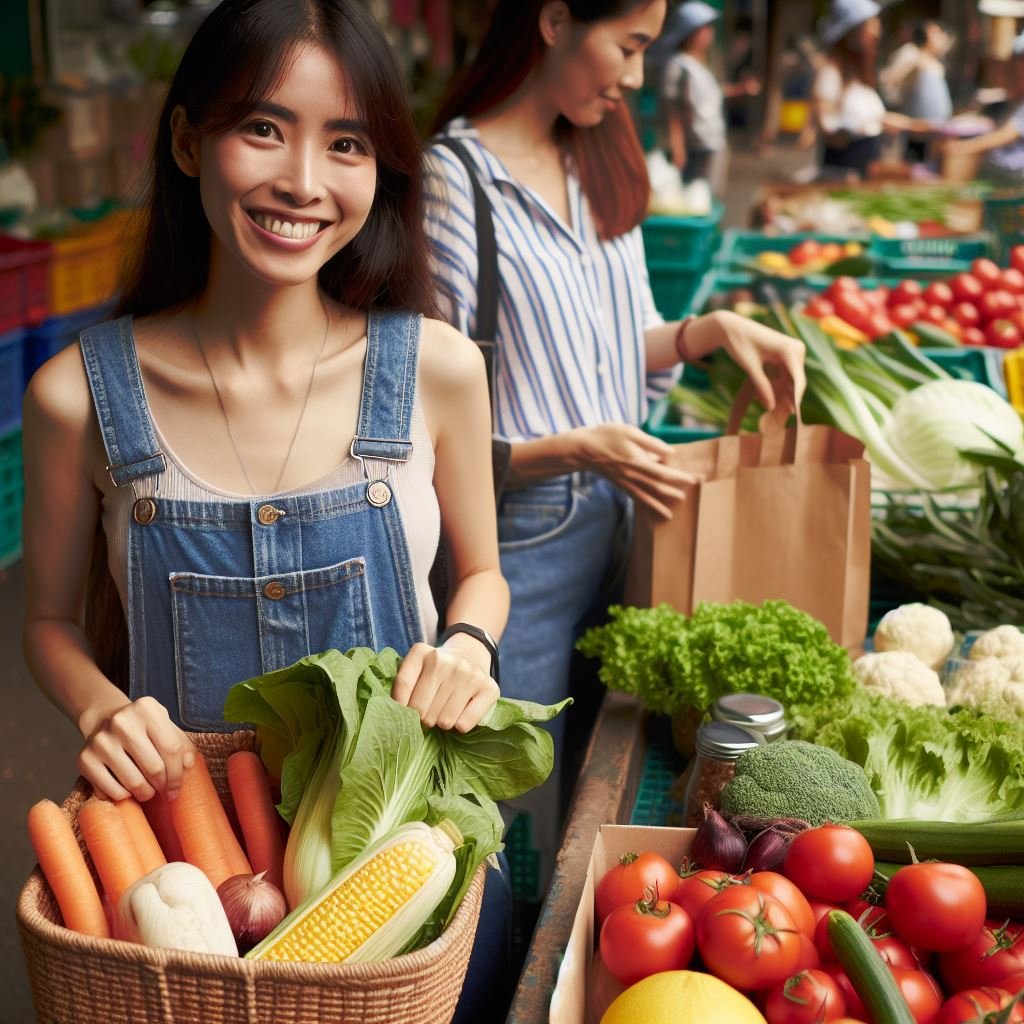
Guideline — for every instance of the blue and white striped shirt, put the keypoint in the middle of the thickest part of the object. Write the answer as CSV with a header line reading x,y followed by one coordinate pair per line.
x,y
572,308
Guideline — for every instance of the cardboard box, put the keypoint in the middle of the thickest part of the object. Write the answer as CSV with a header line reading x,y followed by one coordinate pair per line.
x,y
569,998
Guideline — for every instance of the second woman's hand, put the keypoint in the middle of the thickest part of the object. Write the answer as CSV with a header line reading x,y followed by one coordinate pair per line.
x,y
635,462
448,685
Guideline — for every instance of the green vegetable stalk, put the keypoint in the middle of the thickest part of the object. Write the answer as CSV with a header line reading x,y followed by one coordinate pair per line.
x,y
673,661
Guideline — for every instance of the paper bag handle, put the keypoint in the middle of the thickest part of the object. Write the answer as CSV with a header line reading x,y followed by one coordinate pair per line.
x,y
741,403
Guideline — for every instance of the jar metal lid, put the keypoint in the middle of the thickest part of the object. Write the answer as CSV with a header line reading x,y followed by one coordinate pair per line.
x,y
725,742
750,711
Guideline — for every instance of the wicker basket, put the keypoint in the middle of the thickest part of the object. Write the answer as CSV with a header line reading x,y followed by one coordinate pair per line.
x,y
77,978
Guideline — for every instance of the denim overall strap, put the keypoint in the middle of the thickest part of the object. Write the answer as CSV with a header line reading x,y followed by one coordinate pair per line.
x,y
112,367
389,387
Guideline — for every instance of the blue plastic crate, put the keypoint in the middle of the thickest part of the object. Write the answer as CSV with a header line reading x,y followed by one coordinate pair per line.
x,y
657,800
12,379
56,333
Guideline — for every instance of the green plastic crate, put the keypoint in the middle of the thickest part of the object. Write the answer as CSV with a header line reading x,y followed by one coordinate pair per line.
x,y
1003,215
689,243
12,494
928,257
656,802
673,289
742,247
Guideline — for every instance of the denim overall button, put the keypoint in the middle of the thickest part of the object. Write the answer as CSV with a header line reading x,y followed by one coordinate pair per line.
x,y
144,511
274,590
268,515
378,494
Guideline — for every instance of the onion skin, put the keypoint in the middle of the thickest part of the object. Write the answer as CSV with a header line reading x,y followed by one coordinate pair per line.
x,y
718,844
254,908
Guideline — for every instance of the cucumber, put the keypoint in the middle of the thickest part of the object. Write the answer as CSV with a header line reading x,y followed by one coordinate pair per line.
x,y
868,972
990,842
933,337
1003,885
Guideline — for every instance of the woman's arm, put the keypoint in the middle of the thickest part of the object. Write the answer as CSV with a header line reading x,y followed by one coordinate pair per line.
x,y
130,747
893,123
1002,136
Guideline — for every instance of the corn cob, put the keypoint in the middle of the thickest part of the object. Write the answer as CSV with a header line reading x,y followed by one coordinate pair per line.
x,y
374,907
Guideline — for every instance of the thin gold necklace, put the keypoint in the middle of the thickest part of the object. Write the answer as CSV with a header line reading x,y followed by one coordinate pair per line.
x,y
298,422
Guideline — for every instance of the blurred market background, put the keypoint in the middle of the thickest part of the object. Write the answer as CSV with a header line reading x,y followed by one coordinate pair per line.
x,y
81,82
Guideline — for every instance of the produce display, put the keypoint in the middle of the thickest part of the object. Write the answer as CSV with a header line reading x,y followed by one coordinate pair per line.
x,y
812,257
380,826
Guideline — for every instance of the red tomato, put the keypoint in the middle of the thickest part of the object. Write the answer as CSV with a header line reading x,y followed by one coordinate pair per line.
x,y
966,288
819,307
990,306
938,293
974,1004
694,891
986,271
1014,983
973,336
808,997
645,938
822,943
922,993
842,284
879,325
1017,318
1008,302
966,314
789,896
1002,334
805,252
831,862
905,291
810,958
950,326
875,921
1017,257
624,884
854,308
934,315
940,907
819,908
831,252
995,954
854,1006
903,315
748,938
1012,280
877,297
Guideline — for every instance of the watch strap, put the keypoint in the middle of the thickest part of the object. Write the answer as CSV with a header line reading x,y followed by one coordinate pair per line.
x,y
478,634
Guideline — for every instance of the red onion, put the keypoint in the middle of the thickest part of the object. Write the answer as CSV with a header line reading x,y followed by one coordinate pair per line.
x,y
254,908
718,844
767,850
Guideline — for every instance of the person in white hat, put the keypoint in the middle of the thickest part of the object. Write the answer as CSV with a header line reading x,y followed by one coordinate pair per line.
x,y
849,112
1002,150
692,98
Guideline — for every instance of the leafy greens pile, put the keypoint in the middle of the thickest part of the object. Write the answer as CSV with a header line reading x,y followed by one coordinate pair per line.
x,y
354,765
673,661
927,763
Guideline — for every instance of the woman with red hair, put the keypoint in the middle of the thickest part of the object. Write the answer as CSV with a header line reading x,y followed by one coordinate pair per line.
x,y
541,116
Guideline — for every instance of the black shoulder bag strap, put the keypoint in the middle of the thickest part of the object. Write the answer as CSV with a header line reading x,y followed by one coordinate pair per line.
x,y
486,332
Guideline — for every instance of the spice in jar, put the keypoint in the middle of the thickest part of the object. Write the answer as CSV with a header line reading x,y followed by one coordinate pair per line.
x,y
757,714
717,749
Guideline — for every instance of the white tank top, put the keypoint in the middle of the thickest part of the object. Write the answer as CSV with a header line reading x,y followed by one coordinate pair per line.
x,y
411,481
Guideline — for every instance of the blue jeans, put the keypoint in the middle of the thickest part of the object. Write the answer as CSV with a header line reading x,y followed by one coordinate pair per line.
x,y
562,546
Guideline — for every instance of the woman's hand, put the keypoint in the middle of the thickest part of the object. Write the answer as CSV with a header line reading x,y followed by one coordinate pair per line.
x,y
448,685
136,750
635,462
756,349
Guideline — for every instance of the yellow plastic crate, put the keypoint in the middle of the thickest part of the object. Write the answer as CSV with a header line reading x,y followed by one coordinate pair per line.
x,y
85,266
1013,367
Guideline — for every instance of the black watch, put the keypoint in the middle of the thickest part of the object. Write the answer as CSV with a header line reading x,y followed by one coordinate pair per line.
x,y
478,633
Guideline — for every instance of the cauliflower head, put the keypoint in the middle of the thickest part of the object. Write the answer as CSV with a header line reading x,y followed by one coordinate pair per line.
x,y
1001,642
993,685
900,675
918,628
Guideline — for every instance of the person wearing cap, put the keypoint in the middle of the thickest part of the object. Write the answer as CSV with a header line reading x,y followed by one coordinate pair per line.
x,y
1002,150
849,112
693,99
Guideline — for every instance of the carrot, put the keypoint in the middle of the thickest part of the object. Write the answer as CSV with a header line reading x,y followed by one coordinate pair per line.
x,y
261,824
142,835
64,867
111,847
203,829
158,813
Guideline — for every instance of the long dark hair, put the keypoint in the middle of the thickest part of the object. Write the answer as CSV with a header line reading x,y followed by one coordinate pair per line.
x,y
857,63
608,157
235,59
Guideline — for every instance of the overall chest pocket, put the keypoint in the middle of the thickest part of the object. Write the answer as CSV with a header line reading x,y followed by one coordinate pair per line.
x,y
227,629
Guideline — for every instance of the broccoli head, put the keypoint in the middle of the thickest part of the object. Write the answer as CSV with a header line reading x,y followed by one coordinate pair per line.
x,y
794,779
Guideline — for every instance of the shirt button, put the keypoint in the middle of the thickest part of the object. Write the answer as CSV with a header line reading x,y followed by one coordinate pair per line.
x,y
268,515
274,590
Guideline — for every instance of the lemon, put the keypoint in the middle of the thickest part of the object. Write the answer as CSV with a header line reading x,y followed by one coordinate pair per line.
x,y
682,997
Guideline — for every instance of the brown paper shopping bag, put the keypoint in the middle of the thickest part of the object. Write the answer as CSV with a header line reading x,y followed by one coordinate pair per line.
x,y
784,513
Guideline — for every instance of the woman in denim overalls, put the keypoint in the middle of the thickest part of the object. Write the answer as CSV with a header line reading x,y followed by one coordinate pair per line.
x,y
276,440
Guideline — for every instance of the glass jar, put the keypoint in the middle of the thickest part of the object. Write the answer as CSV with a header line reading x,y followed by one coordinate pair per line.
x,y
718,746
760,716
